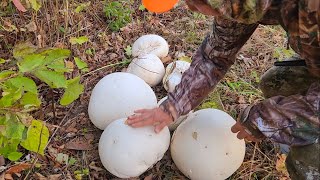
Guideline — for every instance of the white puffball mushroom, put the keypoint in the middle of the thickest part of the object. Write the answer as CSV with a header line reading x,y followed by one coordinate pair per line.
x,y
150,44
173,74
204,148
177,122
128,152
148,67
118,95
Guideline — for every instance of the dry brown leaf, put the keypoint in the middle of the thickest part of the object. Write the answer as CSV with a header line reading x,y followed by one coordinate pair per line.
x,y
39,176
94,167
8,177
241,100
32,27
78,144
281,165
166,59
149,177
18,168
54,177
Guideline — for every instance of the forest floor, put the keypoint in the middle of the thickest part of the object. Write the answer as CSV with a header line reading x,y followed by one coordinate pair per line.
x,y
72,152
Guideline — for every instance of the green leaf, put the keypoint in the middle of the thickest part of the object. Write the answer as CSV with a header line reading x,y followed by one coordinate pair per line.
x,y
14,156
30,62
186,59
59,66
24,83
4,74
2,60
14,128
72,92
83,66
79,40
35,5
82,6
37,137
62,158
89,51
72,161
10,97
22,49
52,78
128,50
9,145
53,55
141,7
30,99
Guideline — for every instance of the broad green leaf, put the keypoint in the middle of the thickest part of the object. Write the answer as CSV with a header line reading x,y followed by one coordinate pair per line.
x,y
14,156
72,161
79,40
89,51
14,128
5,74
10,97
22,49
59,66
37,137
72,92
35,4
2,61
24,83
30,99
82,6
52,78
8,145
53,55
30,62
83,66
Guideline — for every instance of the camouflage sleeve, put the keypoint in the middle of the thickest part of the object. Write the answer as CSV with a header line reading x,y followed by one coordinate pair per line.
x,y
292,120
209,65
244,11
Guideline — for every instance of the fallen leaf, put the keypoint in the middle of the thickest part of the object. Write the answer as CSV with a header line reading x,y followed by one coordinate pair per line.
x,y
19,6
281,164
62,158
8,177
31,27
241,100
39,176
166,59
54,177
78,144
93,166
149,177
18,168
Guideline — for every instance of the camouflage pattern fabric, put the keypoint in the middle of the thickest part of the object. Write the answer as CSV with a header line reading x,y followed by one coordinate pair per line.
x,y
291,116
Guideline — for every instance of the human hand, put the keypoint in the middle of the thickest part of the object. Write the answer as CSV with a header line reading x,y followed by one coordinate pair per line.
x,y
146,117
202,6
243,133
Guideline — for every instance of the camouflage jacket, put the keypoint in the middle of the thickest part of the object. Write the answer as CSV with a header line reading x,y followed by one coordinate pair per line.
x,y
275,117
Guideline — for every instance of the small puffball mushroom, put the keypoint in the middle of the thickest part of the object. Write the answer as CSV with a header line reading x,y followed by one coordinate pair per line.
x,y
118,95
150,44
128,152
173,74
204,148
177,122
148,67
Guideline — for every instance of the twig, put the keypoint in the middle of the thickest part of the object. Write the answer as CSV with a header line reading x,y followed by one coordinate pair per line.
x,y
252,159
110,65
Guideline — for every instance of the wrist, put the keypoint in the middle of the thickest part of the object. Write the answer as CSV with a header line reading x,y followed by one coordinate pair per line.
x,y
245,120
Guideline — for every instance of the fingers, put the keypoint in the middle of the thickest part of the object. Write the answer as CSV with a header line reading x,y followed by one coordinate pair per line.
x,y
137,118
242,135
142,110
143,123
160,126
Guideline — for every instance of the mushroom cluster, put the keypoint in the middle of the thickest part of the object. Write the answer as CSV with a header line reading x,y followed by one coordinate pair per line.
x,y
202,146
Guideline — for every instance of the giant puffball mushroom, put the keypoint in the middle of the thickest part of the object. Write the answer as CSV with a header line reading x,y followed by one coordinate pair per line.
x,y
148,67
173,126
128,152
150,44
173,74
204,148
118,95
